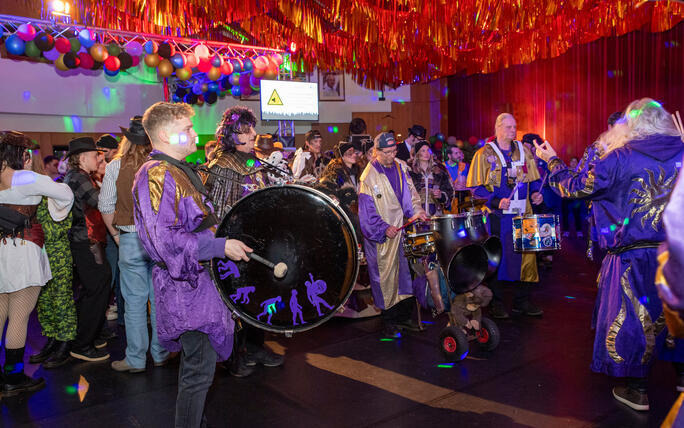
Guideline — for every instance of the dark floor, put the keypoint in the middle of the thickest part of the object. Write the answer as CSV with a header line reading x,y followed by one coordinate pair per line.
x,y
342,375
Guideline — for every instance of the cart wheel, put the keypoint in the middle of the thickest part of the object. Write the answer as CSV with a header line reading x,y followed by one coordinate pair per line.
x,y
488,336
453,343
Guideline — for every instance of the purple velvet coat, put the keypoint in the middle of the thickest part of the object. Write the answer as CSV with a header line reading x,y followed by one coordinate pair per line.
x,y
167,211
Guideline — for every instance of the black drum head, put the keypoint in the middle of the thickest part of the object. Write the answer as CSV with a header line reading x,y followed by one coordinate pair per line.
x,y
302,228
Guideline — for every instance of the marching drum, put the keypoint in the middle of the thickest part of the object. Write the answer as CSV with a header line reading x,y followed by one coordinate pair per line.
x,y
538,232
304,229
465,262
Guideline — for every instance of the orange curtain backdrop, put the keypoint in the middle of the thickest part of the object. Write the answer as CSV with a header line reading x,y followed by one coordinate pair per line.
x,y
569,98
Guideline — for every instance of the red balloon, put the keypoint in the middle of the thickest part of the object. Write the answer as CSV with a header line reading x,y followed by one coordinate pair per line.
x,y
260,63
204,65
136,61
87,61
62,45
277,58
112,63
226,68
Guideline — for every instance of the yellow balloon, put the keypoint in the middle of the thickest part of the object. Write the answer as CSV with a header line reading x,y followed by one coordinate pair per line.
x,y
165,68
152,60
59,63
183,73
99,52
214,73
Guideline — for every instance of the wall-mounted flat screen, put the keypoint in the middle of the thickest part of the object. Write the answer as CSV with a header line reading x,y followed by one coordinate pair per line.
x,y
288,100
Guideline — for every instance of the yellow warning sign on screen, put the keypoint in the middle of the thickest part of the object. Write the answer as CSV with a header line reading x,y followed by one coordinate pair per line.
x,y
275,100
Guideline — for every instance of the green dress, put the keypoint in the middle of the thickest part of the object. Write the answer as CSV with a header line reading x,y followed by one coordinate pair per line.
x,y
56,309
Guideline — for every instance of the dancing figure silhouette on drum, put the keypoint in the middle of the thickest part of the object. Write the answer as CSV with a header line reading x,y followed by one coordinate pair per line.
x,y
296,309
313,291
242,294
270,307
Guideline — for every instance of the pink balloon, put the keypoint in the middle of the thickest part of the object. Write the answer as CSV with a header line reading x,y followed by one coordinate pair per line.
x,y
201,51
26,32
134,48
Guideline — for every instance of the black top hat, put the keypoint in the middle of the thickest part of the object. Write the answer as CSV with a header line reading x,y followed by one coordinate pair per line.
x,y
106,141
418,131
82,145
136,133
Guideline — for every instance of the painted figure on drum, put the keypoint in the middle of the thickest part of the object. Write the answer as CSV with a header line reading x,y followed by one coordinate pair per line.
x,y
242,294
296,309
505,174
388,197
629,186
233,174
314,289
270,307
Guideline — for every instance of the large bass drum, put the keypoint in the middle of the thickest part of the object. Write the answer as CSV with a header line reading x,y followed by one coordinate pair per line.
x,y
306,230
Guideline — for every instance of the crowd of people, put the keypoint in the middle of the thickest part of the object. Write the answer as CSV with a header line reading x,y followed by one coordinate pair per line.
x,y
131,222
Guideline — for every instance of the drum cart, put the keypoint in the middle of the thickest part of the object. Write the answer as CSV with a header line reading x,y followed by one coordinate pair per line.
x,y
467,256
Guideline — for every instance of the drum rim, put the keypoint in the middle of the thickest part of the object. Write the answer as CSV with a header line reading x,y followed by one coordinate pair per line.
x,y
534,216
235,313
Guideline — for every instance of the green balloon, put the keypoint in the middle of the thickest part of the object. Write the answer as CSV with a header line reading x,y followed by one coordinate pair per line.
x,y
114,49
32,50
75,44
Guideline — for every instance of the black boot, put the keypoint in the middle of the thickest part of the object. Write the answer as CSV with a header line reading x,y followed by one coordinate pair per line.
x,y
44,353
16,382
59,357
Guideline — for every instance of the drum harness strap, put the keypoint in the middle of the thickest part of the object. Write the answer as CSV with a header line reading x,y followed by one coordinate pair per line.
x,y
634,246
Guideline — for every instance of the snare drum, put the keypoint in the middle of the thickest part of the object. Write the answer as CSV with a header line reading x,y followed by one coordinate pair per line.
x,y
418,245
537,232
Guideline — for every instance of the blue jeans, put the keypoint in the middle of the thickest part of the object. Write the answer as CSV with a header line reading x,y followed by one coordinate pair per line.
x,y
196,374
136,287
112,254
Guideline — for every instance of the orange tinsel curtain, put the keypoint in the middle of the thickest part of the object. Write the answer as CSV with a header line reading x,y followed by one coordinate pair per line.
x,y
568,99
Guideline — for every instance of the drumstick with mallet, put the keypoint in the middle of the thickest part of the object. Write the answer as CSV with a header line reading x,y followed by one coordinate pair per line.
x,y
279,270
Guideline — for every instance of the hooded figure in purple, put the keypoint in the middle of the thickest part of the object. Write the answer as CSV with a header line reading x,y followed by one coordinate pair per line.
x,y
629,186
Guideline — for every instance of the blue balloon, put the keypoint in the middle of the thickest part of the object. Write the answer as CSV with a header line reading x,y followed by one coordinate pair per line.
x,y
236,66
197,88
110,73
176,98
15,45
177,60
234,79
86,38
247,64
150,47
213,87
235,90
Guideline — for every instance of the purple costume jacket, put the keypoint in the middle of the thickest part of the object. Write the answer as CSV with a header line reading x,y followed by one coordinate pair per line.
x,y
629,188
168,209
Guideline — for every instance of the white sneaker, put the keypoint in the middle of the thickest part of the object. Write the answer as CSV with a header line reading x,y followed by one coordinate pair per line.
x,y
111,313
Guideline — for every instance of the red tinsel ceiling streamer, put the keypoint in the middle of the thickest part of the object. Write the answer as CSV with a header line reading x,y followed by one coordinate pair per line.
x,y
393,42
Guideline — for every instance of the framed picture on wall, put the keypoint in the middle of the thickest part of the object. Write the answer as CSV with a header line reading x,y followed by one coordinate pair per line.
x,y
330,86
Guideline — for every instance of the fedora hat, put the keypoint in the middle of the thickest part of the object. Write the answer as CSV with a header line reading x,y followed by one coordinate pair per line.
x,y
135,132
81,145
265,145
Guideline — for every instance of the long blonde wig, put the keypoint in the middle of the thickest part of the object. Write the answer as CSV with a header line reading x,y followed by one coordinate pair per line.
x,y
643,118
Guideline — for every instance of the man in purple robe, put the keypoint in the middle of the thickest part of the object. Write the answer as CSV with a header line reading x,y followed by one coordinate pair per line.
x,y
388,196
629,185
175,222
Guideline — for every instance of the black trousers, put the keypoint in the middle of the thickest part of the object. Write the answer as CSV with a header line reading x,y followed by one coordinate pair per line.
x,y
400,312
95,277
521,291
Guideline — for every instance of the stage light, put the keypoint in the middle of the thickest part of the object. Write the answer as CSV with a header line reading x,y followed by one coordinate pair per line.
x,y
293,47
60,8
